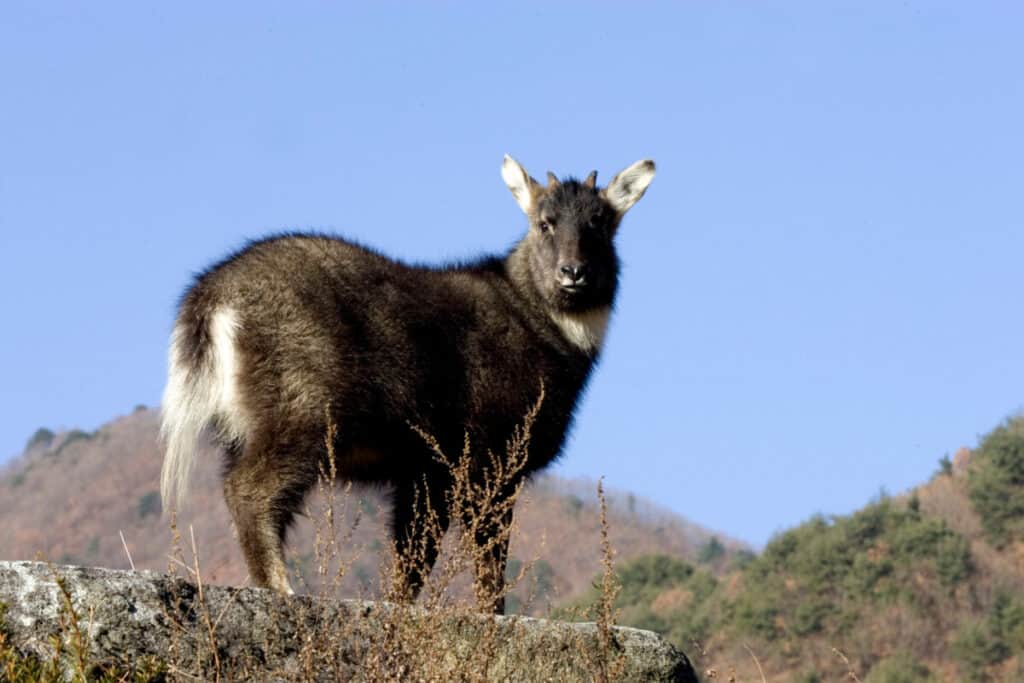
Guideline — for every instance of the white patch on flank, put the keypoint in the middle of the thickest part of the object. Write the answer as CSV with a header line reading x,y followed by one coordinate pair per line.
x,y
585,330
629,186
194,397
518,180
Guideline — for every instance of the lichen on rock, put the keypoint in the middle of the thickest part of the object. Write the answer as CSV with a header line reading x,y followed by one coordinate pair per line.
x,y
246,633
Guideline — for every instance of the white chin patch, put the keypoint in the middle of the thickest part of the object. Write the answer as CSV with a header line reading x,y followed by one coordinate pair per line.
x,y
584,330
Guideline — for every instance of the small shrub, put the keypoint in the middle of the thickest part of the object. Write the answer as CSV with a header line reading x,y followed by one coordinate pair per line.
x,y
73,436
976,647
809,617
742,558
541,581
512,568
945,466
711,551
953,560
41,437
645,577
149,504
899,668
574,504
756,614
1006,621
914,505
807,677
995,483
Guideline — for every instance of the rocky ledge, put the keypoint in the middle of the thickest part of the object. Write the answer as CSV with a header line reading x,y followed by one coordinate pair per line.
x,y
84,616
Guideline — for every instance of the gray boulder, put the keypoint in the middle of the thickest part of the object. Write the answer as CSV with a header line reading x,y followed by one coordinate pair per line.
x,y
132,620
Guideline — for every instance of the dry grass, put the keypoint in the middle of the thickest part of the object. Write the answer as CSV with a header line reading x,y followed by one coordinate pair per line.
x,y
413,643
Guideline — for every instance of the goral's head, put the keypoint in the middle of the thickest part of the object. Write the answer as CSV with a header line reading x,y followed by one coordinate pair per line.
x,y
570,243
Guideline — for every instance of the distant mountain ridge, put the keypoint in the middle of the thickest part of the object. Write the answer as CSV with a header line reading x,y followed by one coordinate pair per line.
x,y
67,497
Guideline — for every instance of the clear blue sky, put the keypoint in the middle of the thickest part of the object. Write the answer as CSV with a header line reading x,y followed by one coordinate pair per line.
x,y
822,290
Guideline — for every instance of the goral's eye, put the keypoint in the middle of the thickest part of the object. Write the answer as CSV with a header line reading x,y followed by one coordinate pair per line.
x,y
544,226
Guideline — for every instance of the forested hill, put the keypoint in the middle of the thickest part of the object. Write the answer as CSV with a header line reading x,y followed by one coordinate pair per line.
x,y
924,586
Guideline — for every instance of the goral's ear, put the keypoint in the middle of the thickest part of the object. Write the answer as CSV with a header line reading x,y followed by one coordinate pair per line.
x,y
629,186
524,188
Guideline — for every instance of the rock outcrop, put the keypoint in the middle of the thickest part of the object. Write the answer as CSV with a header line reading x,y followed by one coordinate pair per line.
x,y
123,618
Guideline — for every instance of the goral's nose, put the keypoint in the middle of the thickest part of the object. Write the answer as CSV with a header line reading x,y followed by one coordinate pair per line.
x,y
574,273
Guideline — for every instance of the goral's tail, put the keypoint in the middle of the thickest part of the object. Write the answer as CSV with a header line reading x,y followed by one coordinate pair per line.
x,y
202,388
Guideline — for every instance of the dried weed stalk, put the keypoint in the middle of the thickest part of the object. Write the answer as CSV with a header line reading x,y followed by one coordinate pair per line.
x,y
480,498
186,636
449,634
850,673
608,663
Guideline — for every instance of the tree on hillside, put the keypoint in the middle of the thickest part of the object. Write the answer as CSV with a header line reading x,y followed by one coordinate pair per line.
x,y
995,483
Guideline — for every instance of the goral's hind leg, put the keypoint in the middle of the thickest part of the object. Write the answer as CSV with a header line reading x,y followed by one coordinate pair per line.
x,y
263,488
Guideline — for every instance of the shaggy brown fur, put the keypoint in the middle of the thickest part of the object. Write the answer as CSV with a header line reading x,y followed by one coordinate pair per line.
x,y
299,330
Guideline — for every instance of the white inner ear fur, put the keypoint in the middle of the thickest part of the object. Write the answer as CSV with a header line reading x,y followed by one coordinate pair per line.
x,y
518,180
629,186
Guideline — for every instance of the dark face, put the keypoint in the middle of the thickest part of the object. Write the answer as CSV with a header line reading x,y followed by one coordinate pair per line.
x,y
572,256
